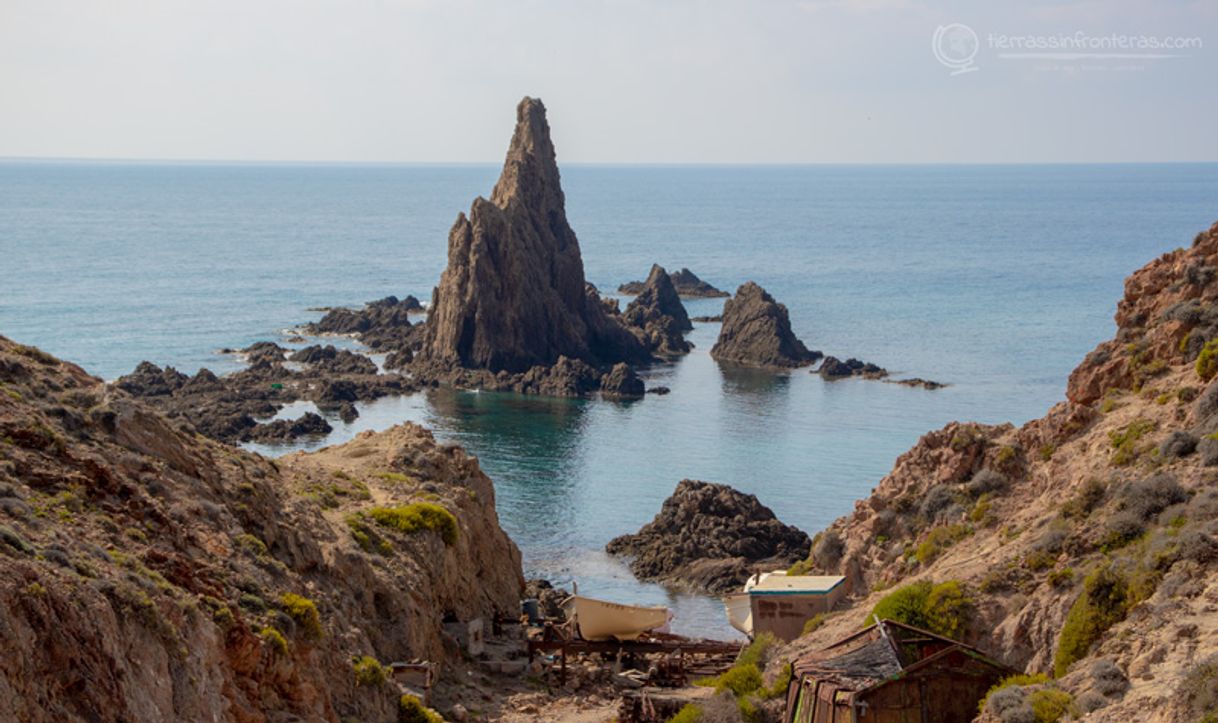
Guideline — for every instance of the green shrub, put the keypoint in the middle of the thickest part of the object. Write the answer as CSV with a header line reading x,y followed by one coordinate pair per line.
x,y
412,710
1102,603
741,679
690,713
945,608
1011,681
304,612
1047,451
275,639
1125,441
939,540
367,540
1207,360
813,623
1062,577
369,671
251,543
418,516
397,477
1050,704
755,651
778,688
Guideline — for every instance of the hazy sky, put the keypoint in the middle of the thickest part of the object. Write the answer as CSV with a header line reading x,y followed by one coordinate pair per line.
x,y
659,81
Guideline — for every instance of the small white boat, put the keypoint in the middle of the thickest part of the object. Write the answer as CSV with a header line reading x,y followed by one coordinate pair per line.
x,y
739,605
604,620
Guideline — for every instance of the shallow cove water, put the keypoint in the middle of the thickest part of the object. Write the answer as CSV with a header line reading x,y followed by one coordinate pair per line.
x,y
996,280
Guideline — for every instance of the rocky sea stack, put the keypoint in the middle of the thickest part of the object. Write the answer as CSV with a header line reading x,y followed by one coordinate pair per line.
x,y
658,312
514,295
684,281
711,537
757,332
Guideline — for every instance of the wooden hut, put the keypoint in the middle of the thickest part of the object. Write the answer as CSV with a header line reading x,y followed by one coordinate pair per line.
x,y
891,673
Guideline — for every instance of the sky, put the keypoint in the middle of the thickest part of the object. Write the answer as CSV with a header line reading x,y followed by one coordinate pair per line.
x,y
625,81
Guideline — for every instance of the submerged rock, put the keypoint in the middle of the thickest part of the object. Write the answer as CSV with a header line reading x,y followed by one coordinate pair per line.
x,y
711,537
514,295
757,332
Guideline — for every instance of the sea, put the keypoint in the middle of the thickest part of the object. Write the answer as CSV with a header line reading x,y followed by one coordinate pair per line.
x,y
995,280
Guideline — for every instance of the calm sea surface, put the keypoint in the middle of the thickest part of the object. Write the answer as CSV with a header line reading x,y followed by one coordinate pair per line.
x,y
995,279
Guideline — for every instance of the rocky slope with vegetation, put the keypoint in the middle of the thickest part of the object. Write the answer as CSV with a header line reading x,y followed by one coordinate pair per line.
x,y
150,573
1080,547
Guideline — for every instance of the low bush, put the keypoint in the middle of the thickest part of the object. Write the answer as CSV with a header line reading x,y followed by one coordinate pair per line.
x,y
1122,529
986,481
1125,441
1108,678
1200,690
939,540
304,612
1148,497
937,500
275,639
1086,501
813,624
945,608
1102,603
369,671
1207,360
412,710
1050,705
417,517
1178,444
690,713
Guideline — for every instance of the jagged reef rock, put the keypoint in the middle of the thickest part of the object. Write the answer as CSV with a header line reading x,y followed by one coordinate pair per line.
x,y
285,430
514,295
684,281
150,574
228,408
710,537
757,332
383,324
834,368
659,314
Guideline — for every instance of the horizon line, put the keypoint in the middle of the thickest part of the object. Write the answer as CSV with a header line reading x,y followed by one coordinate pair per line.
x,y
636,164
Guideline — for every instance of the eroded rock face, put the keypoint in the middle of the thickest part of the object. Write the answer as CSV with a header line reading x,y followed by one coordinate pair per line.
x,y
659,314
757,332
711,537
514,295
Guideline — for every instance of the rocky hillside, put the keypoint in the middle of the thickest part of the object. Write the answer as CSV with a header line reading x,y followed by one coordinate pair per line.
x,y
149,573
1081,546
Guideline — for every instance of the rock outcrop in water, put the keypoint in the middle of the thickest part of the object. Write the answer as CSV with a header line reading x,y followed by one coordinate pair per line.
x,y
684,281
757,332
659,314
514,296
710,537
834,368
149,574
383,325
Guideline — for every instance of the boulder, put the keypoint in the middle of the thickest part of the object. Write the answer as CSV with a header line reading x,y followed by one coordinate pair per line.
x,y
514,294
710,537
622,382
757,332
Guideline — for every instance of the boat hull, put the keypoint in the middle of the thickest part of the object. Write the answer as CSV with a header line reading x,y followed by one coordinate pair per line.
x,y
739,607
604,620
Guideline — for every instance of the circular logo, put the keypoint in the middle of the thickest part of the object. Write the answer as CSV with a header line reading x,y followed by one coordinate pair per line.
x,y
955,46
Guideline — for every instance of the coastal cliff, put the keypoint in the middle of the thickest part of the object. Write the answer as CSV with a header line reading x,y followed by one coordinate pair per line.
x,y
152,574
1081,546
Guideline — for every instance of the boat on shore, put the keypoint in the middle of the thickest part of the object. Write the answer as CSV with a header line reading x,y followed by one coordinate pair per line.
x,y
604,620
739,605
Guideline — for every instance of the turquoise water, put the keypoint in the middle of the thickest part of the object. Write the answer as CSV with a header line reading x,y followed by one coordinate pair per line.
x,y
994,279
